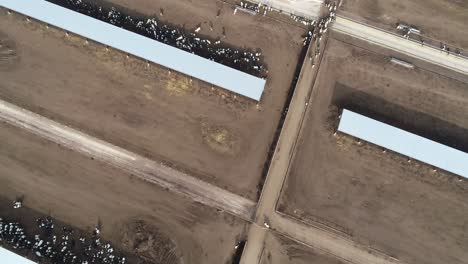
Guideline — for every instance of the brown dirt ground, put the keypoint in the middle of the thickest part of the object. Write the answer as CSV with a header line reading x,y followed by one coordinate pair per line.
x,y
27,218
443,20
81,192
379,199
217,136
280,250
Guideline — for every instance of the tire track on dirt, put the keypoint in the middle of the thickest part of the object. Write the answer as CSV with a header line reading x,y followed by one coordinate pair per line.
x,y
143,168
397,43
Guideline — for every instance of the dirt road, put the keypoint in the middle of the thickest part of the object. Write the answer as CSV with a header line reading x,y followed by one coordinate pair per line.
x,y
400,44
335,245
440,20
81,192
275,178
144,168
281,250
380,200
159,173
208,133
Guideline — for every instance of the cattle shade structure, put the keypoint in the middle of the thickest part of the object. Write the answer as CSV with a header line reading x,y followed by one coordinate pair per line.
x,y
187,63
8,257
405,143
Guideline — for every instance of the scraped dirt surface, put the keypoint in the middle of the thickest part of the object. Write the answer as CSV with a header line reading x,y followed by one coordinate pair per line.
x,y
149,243
140,218
208,132
442,20
27,219
280,250
8,53
381,200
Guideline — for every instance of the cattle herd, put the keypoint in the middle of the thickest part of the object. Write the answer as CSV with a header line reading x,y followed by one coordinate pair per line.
x,y
320,27
258,8
316,27
248,61
58,246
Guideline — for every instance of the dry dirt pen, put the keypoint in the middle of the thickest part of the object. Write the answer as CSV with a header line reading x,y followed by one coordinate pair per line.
x,y
280,250
405,210
141,219
215,135
22,230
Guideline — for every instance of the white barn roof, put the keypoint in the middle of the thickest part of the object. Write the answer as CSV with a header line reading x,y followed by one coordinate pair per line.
x,y
8,257
405,143
140,46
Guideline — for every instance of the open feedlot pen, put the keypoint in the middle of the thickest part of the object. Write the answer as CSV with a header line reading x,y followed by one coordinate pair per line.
x,y
147,170
165,55
405,143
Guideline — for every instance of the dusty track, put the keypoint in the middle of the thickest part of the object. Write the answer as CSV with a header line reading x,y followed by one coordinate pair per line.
x,y
400,44
139,166
312,236
210,195
276,175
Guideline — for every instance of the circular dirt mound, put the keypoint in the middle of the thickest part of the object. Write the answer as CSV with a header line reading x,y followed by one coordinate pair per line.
x,y
148,243
220,138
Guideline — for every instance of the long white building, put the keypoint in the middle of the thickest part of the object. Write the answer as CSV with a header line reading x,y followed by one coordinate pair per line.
x,y
187,63
405,143
8,257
